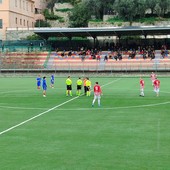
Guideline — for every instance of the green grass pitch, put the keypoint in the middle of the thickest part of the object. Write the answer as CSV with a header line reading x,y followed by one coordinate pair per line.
x,y
127,132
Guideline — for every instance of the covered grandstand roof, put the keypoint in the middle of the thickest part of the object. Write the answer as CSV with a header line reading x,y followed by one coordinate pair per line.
x,y
101,31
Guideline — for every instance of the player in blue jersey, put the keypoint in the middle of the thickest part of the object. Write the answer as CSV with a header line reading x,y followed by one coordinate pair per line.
x,y
38,82
52,81
44,86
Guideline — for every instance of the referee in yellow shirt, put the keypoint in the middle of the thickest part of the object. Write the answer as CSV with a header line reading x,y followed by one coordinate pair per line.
x,y
69,86
79,85
88,85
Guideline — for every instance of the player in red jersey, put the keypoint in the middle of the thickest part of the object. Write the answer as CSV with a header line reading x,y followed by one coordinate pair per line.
x,y
152,76
142,85
97,93
156,84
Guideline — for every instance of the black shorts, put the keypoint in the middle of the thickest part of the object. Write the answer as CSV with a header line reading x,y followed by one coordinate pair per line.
x,y
78,87
69,87
88,88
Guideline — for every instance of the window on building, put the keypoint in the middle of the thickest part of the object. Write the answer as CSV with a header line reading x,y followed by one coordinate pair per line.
x,y
27,6
24,22
20,21
31,7
23,4
36,10
20,4
27,24
16,21
1,24
16,3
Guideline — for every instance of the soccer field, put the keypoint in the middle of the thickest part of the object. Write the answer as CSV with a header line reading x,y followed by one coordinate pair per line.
x,y
127,132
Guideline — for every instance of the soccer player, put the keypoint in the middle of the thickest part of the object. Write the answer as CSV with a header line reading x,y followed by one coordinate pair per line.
x,y
69,86
38,82
142,85
52,81
79,85
88,85
97,94
156,84
152,76
44,86
85,87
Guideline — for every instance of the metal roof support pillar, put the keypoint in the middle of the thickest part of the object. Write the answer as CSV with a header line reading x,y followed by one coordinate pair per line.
x,y
145,35
119,37
94,41
70,42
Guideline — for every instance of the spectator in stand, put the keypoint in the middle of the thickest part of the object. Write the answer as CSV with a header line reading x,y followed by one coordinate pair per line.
x,y
105,58
98,57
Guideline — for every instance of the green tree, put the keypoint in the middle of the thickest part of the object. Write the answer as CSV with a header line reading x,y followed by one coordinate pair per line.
x,y
130,9
41,23
51,5
126,9
34,37
164,7
151,4
80,15
98,7
140,8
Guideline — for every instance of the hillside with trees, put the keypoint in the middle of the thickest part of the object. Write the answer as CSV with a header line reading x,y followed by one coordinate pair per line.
x,y
85,11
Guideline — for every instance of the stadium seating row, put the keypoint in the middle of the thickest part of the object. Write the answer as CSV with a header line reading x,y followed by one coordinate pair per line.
x,y
53,61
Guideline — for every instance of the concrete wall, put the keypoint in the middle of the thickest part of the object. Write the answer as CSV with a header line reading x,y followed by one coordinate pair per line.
x,y
125,24
18,34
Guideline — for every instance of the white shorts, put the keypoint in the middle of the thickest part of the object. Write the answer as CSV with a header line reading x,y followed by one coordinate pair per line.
x,y
97,96
156,89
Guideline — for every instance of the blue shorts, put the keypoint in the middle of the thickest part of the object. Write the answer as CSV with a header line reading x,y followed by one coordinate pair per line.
x,y
52,81
44,87
38,83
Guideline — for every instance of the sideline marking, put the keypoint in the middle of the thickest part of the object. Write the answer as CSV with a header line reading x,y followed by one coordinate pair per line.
x,y
53,108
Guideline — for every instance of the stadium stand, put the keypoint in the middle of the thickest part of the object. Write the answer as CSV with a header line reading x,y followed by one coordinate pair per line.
x,y
85,61
17,60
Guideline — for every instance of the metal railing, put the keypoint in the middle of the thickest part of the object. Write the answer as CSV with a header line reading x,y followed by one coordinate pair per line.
x,y
88,66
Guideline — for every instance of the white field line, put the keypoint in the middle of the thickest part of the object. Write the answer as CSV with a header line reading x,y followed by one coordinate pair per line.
x,y
34,117
23,108
84,109
47,111
114,108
